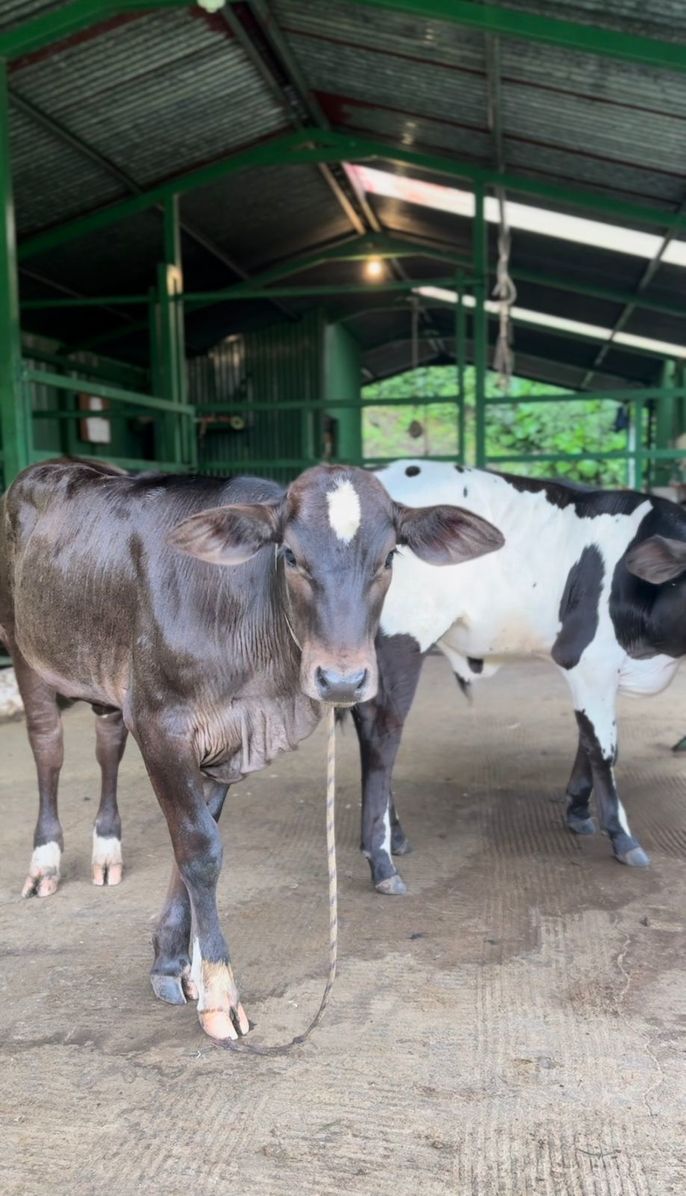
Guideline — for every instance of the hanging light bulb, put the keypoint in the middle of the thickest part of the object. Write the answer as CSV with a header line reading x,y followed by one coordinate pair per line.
x,y
373,267
211,5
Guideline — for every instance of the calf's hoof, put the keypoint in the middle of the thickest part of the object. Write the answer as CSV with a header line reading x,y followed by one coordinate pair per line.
x,y
175,990
44,871
220,1012
392,885
400,845
581,826
635,857
106,860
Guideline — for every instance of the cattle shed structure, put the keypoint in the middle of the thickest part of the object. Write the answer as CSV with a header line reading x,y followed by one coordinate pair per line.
x,y
222,219
197,193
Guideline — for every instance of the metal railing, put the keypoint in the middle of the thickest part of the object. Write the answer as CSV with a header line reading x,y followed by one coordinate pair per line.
x,y
638,454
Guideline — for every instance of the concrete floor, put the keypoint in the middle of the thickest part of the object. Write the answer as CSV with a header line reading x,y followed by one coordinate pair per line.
x,y
514,1026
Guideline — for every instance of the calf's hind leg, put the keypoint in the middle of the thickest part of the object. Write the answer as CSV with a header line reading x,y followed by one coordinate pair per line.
x,y
44,726
379,724
594,707
579,789
110,741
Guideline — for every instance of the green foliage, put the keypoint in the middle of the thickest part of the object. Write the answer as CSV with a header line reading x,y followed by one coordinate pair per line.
x,y
430,425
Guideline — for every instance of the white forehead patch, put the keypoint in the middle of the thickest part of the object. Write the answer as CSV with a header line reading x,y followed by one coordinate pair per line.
x,y
345,515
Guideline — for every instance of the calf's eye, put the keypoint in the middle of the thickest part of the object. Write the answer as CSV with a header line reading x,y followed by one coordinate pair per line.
x,y
388,563
289,558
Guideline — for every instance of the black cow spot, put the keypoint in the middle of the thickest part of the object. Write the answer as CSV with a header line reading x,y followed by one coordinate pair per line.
x,y
588,502
412,471
475,665
579,608
465,492
459,468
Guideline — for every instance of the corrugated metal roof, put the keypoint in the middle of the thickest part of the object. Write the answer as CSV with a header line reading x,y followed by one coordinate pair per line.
x,y
269,213
52,181
565,114
15,12
659,18
158,93
155,96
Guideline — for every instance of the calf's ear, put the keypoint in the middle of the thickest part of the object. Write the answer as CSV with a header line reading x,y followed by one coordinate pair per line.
x,y
657,559
445,535
227,535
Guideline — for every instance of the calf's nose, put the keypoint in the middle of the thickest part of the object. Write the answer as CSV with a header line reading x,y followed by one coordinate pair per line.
x,y
340,687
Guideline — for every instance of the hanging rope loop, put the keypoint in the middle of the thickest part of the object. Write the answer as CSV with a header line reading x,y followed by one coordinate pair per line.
x,y
506,294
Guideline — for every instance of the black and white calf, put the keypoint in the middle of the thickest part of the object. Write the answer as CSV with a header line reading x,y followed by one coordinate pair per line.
x,y
594,580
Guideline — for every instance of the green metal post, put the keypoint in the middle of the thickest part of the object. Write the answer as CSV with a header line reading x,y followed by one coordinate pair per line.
x,y
638,444
172,355
342,381
664,423
15,413
480,323
460,347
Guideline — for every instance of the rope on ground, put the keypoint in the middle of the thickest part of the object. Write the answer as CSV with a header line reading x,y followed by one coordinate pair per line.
x,y
241,1045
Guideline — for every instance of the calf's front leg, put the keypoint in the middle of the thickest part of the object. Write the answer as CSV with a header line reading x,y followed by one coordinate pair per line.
x,y
178,784
171,970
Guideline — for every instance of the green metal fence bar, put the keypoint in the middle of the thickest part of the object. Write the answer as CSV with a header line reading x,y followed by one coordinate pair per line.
x,y
205,409
642,452
101,390
630,395
76,415
15,419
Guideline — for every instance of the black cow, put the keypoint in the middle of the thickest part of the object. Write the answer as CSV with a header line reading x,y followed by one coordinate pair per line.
x,y
110,592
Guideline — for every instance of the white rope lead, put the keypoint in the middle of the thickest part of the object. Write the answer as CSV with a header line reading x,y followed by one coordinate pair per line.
x,y
241,1045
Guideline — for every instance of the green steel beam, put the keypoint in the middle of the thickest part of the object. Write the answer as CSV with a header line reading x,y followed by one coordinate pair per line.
x,y
70,19
15,414
529,26
206,298
333,146
84,301
255,289
328,146
556,283
239,292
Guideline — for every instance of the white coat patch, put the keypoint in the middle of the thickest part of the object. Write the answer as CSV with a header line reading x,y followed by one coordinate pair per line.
x,y
46,860
345,515
106,850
